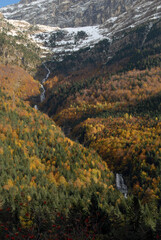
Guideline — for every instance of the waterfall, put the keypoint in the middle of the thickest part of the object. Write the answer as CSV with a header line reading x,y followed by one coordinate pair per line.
x,y
42,96
121,185
47,75
36,107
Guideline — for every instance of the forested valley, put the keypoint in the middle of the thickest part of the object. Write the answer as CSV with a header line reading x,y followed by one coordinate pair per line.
x,y
58,162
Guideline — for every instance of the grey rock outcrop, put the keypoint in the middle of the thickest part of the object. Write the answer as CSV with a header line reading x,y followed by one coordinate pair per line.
x,y
65,13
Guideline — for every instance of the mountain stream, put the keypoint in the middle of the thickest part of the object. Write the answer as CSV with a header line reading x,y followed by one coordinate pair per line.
x,y
119,179
42,95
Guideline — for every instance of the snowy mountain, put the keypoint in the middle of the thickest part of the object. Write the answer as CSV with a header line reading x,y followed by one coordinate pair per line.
x,y
118,31
61,41
65,13
67,40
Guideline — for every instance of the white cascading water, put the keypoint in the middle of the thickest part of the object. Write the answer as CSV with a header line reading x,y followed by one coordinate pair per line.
x,y
42,96
121,185
36,107
119,179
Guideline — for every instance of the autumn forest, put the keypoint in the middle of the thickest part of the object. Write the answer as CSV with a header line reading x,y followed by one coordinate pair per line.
x,y
58,163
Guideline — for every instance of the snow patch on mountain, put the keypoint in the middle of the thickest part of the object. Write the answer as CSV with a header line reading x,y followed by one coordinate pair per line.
x,y
68,40
62,41
65,13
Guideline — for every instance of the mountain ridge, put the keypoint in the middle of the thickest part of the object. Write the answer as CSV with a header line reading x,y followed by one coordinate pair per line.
x,y
64,41
102,85
66,13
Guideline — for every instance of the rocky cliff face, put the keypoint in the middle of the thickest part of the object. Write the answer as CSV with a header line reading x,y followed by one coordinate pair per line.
x,y
65,13
99,44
